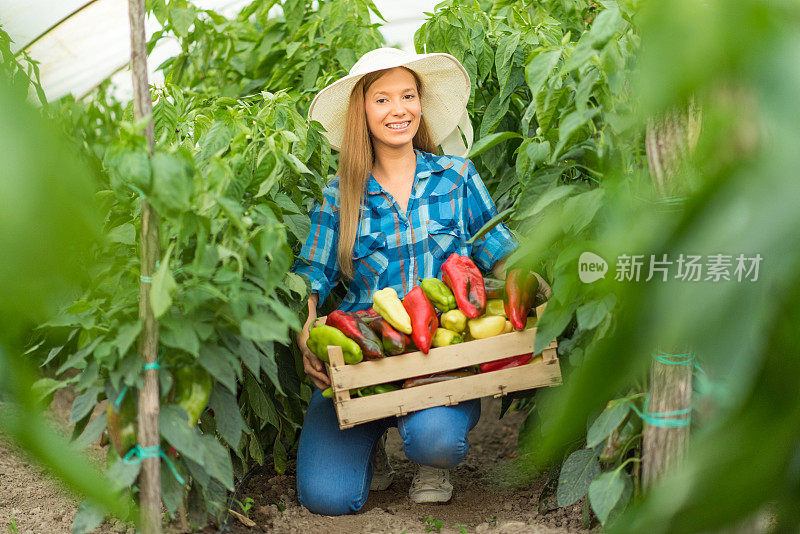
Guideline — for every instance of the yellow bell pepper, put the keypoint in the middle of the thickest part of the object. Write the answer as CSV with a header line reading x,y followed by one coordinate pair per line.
x,y
454,320
388,305
495,307
487,326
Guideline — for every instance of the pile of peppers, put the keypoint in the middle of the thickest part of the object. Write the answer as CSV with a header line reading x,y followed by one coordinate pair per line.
x,y
461,306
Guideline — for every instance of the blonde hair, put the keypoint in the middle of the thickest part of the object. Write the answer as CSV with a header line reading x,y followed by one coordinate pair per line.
x,y
355,164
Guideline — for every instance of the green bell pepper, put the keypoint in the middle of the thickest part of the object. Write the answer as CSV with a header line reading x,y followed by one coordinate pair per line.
x,y
193,387
438,293
322,336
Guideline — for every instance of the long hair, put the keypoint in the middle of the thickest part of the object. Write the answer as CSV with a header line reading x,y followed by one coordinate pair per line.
x,y
355,164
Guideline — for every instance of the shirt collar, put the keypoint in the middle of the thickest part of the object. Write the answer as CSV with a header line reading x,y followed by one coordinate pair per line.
x,y
427,164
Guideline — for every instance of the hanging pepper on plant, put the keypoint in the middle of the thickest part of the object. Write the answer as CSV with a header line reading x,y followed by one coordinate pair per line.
x,y
438,293
193,387
423,318
353,327
462,276
394,342
321,336
519,296
388,305
121,421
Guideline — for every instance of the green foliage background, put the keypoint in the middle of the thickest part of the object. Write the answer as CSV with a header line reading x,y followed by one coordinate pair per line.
x,y
562,91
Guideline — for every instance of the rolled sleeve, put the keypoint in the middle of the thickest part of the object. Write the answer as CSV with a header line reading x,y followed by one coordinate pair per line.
x,y
498,242
318,261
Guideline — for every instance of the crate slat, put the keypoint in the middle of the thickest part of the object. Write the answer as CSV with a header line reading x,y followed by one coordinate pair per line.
x,y
539,373
440,359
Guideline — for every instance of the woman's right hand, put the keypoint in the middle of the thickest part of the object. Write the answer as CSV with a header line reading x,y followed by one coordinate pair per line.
x,y
312,365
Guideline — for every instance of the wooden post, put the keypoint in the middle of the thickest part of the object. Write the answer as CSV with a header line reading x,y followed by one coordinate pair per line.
x,y
149,435
668,142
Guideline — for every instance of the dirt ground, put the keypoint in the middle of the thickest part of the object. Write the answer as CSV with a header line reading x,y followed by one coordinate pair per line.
x,y
489,496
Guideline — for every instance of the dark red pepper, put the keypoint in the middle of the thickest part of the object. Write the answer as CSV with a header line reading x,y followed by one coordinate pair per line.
x,y
519,296
357,330
368,315
506,363
465,280
494,287
394,342
423,318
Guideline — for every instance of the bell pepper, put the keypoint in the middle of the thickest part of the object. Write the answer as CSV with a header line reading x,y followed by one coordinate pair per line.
x,y
508,328
454,320
193,387
519,295
423,318
494,287
321,336
376,389
438,377
506,363
327,393
495,307
394,342
368,315
486,326
438,293
462,276
121,421
444,337
388,305
357,330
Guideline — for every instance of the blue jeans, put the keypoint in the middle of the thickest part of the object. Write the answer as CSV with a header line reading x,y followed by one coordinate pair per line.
x,y
334,466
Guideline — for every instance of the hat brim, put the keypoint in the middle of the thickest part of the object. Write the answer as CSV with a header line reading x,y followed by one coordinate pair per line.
x,y
447,88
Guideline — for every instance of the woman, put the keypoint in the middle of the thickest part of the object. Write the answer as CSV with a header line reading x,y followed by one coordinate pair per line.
x,y
393,215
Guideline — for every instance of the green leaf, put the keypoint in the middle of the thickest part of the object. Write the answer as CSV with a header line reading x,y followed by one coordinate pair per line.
x,y
92,431
172,189
178,332
87,518
576,475
568,125
590,314
607,492
182,20
279,456
538,70
174,428
547,199
264,327
124,233
553,322
495,111
215,360
123,475
163,286
261,404
494,221
84,404
490,141
582,209
126,335
217,461
227,416
606,422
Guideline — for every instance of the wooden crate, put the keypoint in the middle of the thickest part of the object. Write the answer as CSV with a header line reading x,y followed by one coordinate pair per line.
x,y
543,370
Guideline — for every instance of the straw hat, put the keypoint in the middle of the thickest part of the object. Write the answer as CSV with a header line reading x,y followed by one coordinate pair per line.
x,y
444,102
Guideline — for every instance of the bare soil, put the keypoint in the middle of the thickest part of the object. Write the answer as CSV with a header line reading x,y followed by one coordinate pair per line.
x,y
492,493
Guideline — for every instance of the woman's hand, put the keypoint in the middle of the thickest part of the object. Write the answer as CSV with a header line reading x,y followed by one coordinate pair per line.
x,y
312,365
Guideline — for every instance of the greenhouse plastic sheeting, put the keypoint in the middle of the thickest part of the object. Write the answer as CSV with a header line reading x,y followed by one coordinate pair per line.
x,y
80,43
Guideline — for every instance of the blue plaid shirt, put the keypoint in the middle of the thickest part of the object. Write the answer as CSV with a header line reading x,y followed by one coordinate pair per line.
x,y
448,204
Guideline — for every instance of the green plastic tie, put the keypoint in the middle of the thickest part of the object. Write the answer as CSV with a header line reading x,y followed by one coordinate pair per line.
x,y
146,279
664,419
137,190
120,397
137,454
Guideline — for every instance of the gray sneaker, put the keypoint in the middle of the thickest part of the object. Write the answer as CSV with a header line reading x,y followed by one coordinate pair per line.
x,y
382,472
431,485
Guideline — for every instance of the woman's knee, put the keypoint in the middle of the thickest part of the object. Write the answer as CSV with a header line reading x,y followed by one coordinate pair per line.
x,y
325,498
435,448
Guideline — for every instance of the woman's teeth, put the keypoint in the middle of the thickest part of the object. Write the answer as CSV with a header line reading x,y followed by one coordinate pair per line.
x,y
399,126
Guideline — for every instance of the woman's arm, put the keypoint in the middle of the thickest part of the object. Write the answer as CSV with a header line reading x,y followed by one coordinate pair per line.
x,y
313,366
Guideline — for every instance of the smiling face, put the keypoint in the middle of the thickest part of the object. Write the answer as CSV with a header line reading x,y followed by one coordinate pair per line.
x,y
393,109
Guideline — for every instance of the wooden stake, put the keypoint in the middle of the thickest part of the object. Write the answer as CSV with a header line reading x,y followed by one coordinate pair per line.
x,y
149,436
668,142
664,448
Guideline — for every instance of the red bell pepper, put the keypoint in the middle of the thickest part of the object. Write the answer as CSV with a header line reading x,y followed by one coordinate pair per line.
x,y
357,330
506,363
519,296
423,318
394,342
368,315
465,280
